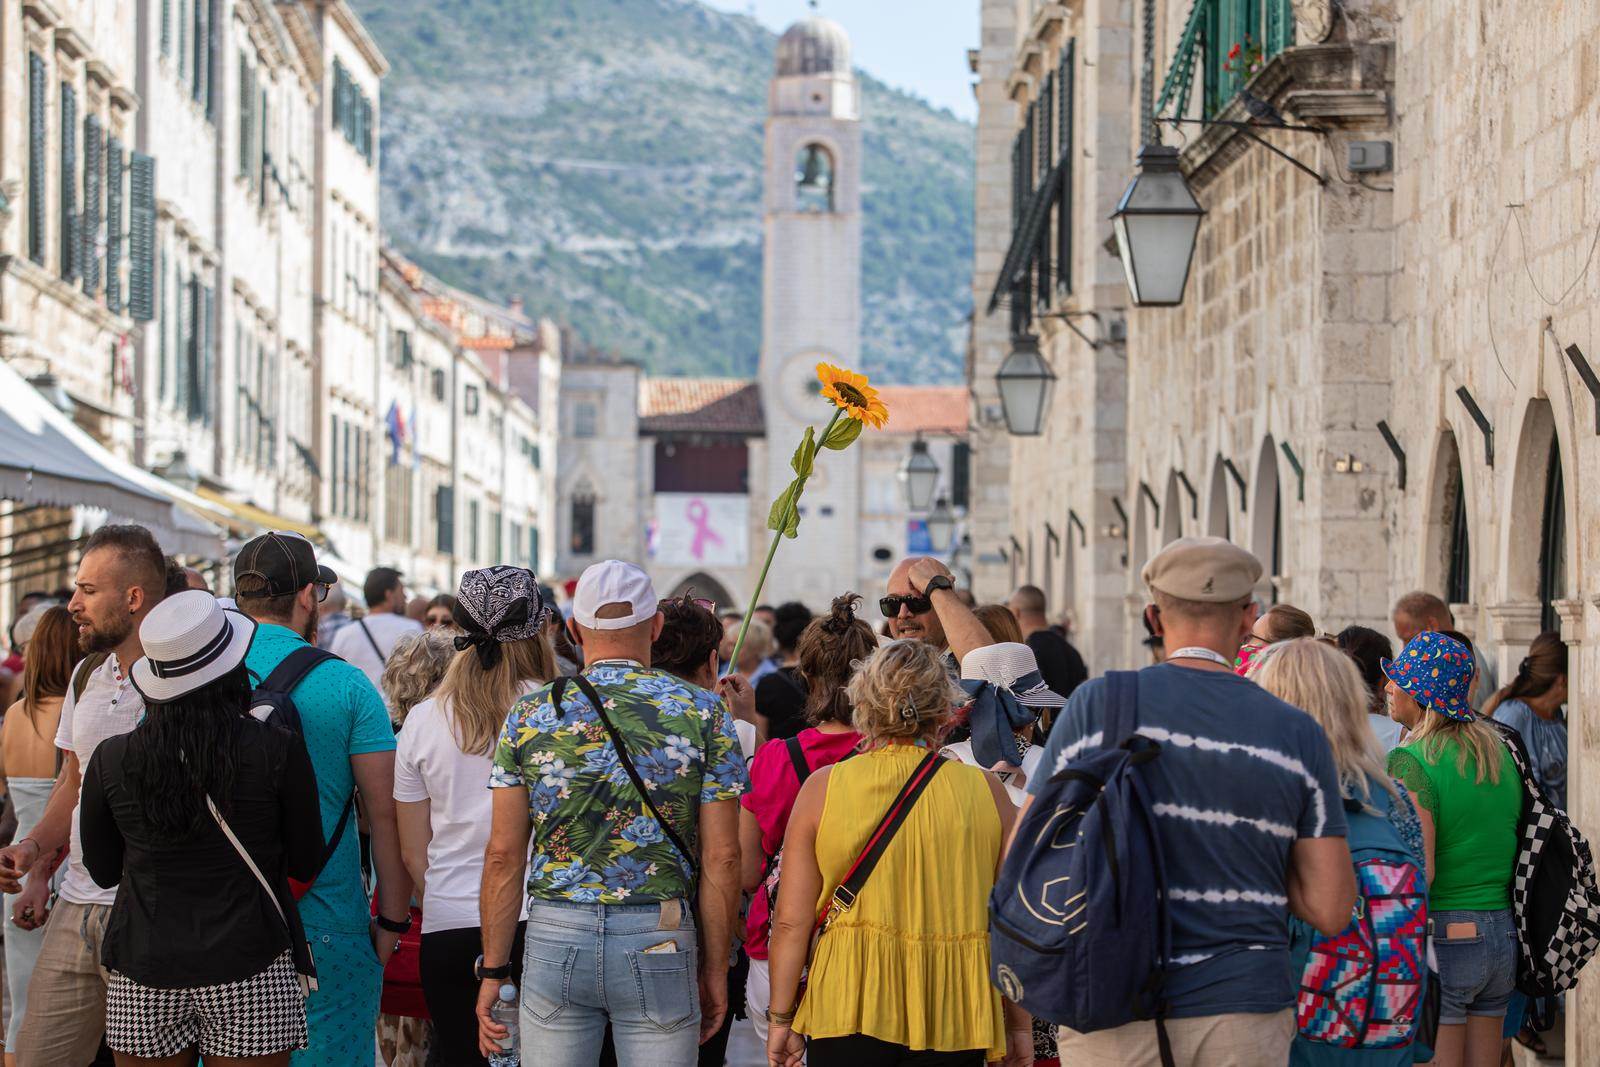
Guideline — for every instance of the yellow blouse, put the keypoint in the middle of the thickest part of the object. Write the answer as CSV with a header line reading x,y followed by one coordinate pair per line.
x,y
909,963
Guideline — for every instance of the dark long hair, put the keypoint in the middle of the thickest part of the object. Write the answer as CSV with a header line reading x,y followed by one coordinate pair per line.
x,y
1543,666
185,750
829,650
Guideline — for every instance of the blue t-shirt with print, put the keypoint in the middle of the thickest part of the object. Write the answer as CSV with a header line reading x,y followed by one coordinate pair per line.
x,y
342,716
1241,776
1546,742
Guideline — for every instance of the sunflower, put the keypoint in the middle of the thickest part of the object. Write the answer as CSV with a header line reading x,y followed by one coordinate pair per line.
x,y
851,393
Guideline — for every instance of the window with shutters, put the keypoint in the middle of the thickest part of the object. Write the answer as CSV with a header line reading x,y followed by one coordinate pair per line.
x,y
533,546
71,239
473,516
200,65
247,114
142,237
517,559
472,400
38,158
585,420
445,509
960,474
93,162
192,356
497,545
1066,88
114,224
166,28
439,385
335,482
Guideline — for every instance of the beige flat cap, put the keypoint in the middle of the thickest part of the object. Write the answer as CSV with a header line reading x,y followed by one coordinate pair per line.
x,y
1207,569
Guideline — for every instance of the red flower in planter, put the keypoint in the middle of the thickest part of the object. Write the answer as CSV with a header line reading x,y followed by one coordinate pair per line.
x,y
1233,53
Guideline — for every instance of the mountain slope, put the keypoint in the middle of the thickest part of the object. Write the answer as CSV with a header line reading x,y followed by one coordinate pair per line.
x,y
601,159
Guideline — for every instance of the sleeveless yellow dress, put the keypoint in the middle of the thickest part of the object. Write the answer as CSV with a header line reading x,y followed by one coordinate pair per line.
x,y
909,963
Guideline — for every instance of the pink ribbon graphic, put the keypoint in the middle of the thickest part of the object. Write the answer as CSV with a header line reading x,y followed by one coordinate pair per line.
x,y
700,515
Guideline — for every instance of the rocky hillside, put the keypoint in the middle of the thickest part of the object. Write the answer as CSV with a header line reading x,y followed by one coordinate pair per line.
x,y
601,159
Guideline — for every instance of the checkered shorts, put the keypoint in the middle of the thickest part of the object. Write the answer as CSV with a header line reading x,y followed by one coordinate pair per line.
x,y
257,1016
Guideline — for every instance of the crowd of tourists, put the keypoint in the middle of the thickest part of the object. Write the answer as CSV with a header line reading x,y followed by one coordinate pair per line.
x,y
488,827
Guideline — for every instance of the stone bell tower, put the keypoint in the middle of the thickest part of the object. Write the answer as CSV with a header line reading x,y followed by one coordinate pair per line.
x,y
811,297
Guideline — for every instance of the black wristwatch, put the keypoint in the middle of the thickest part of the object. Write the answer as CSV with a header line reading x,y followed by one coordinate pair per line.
x,y
938,581
482,973
401,927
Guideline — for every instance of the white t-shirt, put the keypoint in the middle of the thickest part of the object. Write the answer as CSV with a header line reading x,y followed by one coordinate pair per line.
x,y
110,706
429,765
351,645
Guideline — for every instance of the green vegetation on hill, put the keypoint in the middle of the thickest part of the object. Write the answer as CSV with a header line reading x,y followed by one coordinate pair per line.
x,y
602,159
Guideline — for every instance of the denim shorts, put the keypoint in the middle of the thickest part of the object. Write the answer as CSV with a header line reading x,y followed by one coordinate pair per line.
x,y
1477,974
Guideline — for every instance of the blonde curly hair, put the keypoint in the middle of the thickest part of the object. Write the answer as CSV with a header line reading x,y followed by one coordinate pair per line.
x,y
414,670
902,692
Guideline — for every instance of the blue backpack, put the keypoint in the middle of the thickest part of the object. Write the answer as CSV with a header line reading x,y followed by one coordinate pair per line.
x,y
1079,933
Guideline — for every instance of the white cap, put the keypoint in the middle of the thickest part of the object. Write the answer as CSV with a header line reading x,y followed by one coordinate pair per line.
x,y
614,582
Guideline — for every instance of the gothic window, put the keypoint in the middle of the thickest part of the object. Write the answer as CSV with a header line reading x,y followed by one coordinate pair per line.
x,y
583,520
585,420
813,180
1553,543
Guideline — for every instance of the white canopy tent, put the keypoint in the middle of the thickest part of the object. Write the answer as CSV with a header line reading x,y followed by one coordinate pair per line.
x,y
46,459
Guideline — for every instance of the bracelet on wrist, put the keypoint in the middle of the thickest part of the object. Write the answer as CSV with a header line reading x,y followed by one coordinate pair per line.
x,y
781,1018
402,926
37,848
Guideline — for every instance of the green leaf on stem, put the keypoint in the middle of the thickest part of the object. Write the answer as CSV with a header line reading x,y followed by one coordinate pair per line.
x,y
784,518
843,434
805,455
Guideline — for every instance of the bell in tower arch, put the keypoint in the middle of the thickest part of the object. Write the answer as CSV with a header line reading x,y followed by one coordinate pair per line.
x,y
813,179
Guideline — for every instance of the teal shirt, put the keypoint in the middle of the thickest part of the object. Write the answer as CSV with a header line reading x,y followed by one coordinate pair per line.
x,y
343,716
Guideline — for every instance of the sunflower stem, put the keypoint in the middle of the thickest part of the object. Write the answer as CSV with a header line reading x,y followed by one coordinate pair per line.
x,y
772,549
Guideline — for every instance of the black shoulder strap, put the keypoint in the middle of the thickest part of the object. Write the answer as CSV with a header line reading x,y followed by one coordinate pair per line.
x,y
1122,707
294,667
373,641
861,870
556,691
80,675
797,756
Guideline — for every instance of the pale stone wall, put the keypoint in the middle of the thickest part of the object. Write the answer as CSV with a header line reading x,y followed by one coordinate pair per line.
x,y
607,462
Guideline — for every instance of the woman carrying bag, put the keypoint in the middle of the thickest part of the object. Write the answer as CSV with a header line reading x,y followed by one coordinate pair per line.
x,y
199,817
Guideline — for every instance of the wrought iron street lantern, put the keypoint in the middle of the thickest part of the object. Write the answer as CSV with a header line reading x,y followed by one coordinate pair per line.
x,y
1156,222
920,476
941,526
1025,380
179,471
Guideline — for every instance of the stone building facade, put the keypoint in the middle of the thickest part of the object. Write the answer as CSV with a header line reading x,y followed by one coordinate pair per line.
x,y
1451,297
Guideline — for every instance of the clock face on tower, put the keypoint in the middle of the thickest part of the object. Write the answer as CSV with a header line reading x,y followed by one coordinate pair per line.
x,y
799,392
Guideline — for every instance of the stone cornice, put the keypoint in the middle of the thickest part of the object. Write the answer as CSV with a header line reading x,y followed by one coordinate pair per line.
x,y
71,42
41,12
67,293
1049,24
1340,85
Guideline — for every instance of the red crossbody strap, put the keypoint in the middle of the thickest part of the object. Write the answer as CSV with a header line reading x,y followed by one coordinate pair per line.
x,y
850,888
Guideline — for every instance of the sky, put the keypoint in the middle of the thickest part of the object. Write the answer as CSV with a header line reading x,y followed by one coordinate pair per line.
x,y
916,45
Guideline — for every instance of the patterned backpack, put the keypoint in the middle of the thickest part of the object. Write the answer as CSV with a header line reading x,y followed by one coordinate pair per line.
x,y
1362,988
1554,896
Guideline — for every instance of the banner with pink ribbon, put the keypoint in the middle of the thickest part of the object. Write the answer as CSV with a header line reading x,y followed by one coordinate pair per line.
x,y
702,529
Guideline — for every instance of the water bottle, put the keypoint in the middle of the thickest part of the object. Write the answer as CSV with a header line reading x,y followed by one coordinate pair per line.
x,y
505,1012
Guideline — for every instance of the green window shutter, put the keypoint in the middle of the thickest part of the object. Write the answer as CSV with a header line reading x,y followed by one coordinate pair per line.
x,y
180,347
338,95
246,98
93,146
263,160
163,329
38,158
1066,87
333,466
1280,25
960,474
70,238
533,547
201,36
114,224
208,354
142,237
446,511
166,27
213,57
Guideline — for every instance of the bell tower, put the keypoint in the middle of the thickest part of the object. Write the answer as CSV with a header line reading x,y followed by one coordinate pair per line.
x,y
811,296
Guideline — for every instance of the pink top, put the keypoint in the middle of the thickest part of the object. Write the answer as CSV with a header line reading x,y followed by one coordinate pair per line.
x,y
773,788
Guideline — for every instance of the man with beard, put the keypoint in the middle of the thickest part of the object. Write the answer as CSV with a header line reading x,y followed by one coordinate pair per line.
x,y
279,583
915,614
121,576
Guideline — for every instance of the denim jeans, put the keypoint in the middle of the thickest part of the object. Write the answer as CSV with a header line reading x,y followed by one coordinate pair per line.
x,y
587,964
1477,974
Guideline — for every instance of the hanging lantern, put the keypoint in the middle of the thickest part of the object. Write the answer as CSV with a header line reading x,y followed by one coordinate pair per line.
x,y
1025,380
920,476
1157,222
941,526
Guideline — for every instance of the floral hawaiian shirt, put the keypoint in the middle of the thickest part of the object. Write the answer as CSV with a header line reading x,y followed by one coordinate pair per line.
x,y
594,840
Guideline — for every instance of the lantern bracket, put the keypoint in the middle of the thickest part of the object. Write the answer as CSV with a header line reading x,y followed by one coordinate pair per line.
x,y
1248,129
1106,337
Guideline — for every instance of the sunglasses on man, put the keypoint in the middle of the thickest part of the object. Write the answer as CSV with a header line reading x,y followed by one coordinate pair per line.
x,y
917,605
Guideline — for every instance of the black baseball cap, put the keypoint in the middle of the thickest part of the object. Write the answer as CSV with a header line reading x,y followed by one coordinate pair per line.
x,y
286,561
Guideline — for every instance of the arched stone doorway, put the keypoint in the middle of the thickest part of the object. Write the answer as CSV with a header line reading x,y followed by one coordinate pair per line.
x,y
1219,513
1266,526
705,587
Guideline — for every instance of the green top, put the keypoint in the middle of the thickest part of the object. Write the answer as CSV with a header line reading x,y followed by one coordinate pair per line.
x,y
1475,824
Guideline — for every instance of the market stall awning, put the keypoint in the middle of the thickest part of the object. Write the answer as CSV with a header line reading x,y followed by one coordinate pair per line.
x,y
258,519
46,459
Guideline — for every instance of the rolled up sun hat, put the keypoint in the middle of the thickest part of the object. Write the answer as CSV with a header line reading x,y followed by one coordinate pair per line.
x,y
189,641
1436,671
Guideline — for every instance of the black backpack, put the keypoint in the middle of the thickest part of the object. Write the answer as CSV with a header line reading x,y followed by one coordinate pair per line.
x,y
272,702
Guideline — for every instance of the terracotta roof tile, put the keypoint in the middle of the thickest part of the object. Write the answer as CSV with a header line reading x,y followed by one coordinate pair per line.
x,y
703,405
925,408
